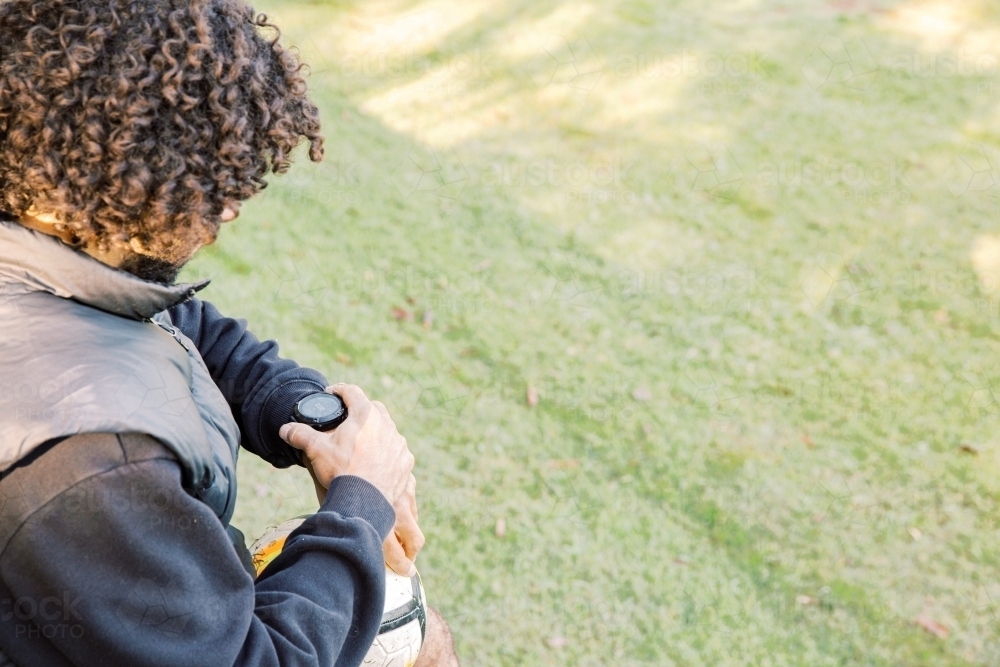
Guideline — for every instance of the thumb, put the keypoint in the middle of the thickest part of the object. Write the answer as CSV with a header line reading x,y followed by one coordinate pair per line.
x,y
300,436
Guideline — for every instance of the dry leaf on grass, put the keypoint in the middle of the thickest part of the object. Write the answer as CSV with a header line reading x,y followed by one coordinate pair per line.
x,y
402,314
642,394
939,630
532,396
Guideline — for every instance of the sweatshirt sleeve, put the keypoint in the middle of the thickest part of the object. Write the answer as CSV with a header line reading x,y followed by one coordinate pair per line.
x,y
125,568
259,385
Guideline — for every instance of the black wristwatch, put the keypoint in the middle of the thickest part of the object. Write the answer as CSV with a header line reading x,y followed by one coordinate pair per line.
x,y
322,411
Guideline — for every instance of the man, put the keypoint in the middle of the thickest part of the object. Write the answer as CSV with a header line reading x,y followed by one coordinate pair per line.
x,y
129,132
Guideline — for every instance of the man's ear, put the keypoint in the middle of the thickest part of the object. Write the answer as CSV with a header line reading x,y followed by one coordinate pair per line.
x,y
35,214
49,223
136,245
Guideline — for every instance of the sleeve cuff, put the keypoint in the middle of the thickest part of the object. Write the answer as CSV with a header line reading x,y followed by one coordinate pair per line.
x,y
350,495
277,412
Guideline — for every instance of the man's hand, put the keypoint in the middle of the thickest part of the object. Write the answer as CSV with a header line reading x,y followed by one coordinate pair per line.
x,y
368,445
406,540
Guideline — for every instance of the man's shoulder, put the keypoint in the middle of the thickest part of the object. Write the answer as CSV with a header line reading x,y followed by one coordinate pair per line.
x,y
61,465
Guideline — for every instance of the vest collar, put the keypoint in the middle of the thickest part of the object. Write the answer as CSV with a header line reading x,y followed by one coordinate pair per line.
x,y
44,263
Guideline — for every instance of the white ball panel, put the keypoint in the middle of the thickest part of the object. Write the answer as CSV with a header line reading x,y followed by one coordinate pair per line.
x,y
396,648
398,591
408,635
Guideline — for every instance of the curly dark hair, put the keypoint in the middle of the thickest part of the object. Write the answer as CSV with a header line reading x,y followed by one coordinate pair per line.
x,y
144,119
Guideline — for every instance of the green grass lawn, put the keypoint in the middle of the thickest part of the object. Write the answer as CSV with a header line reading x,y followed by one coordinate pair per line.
x,y
744,253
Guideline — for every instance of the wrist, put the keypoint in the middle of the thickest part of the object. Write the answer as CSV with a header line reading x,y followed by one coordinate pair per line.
x,y
277,410
350,495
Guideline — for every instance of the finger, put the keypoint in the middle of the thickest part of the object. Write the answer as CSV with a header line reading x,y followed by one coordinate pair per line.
x,y
300,436
352,395
395,558
380,406
413,541
411,494
409,534
409,460
320,489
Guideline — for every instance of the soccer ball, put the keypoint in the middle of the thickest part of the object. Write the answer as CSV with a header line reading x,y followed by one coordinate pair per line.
x,y
404,617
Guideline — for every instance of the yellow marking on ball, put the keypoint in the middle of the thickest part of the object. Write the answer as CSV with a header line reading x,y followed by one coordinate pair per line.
x,y
263,557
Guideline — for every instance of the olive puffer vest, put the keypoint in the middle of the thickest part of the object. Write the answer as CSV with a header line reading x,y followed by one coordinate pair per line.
x,y
86,348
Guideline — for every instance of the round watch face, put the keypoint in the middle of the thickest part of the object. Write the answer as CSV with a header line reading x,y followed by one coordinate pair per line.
x,y
321,410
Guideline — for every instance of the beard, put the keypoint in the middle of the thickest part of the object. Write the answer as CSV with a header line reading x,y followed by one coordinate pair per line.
x,y
152,269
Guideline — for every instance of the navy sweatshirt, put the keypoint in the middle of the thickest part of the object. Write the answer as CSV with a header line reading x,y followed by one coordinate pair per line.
x,y
260,386
106,560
